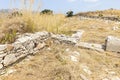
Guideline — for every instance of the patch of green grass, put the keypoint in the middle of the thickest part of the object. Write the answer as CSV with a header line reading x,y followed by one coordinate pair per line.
x,y
9,37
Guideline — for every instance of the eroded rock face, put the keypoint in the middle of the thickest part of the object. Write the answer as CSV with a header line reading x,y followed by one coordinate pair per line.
x,y
113,44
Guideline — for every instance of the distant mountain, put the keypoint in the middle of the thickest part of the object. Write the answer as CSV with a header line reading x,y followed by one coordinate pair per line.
x,y
5,10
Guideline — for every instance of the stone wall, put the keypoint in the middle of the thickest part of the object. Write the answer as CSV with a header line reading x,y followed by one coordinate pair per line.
x,y
25,45
28,44
104,18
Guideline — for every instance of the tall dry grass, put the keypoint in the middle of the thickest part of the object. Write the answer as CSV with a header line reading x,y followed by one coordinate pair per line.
x,y
50,23
31,22
37,21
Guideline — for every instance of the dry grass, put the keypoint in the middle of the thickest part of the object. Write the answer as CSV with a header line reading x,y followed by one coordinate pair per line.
x,y
96,31
31,22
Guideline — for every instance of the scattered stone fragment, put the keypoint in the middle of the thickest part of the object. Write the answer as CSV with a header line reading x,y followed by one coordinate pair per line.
x,y
49,49
67,50
73,58
83,77
113,44
115,28
86,69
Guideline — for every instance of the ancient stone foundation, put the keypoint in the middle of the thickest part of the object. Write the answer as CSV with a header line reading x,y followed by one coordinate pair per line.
x,y
25,45
28,44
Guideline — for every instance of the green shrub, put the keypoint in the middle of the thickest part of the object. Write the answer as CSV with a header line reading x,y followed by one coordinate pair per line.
x,y
46,11
69,13
100,15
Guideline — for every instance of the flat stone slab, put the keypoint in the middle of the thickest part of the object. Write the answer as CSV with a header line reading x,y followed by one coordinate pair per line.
x,y
113,44
97,47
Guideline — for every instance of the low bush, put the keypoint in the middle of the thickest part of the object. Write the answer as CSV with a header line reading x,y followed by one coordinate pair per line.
x,y
69,13
46,11
100,15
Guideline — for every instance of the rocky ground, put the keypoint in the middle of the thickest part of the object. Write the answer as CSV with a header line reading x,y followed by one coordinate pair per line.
x,y
67,62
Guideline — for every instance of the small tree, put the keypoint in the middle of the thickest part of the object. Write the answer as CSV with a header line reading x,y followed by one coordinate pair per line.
x,y
69,13
47,11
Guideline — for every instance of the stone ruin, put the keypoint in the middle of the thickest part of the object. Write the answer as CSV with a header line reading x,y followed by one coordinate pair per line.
x,y
113,44
28,44
98,17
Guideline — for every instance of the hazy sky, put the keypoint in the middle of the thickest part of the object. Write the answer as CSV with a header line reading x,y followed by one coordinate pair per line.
x,y
64,5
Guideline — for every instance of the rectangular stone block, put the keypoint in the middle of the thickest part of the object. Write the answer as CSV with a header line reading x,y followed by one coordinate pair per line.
x,y
97,47
112,44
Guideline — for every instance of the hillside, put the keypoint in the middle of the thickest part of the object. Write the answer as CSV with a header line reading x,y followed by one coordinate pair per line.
x,y
60,57
104,13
